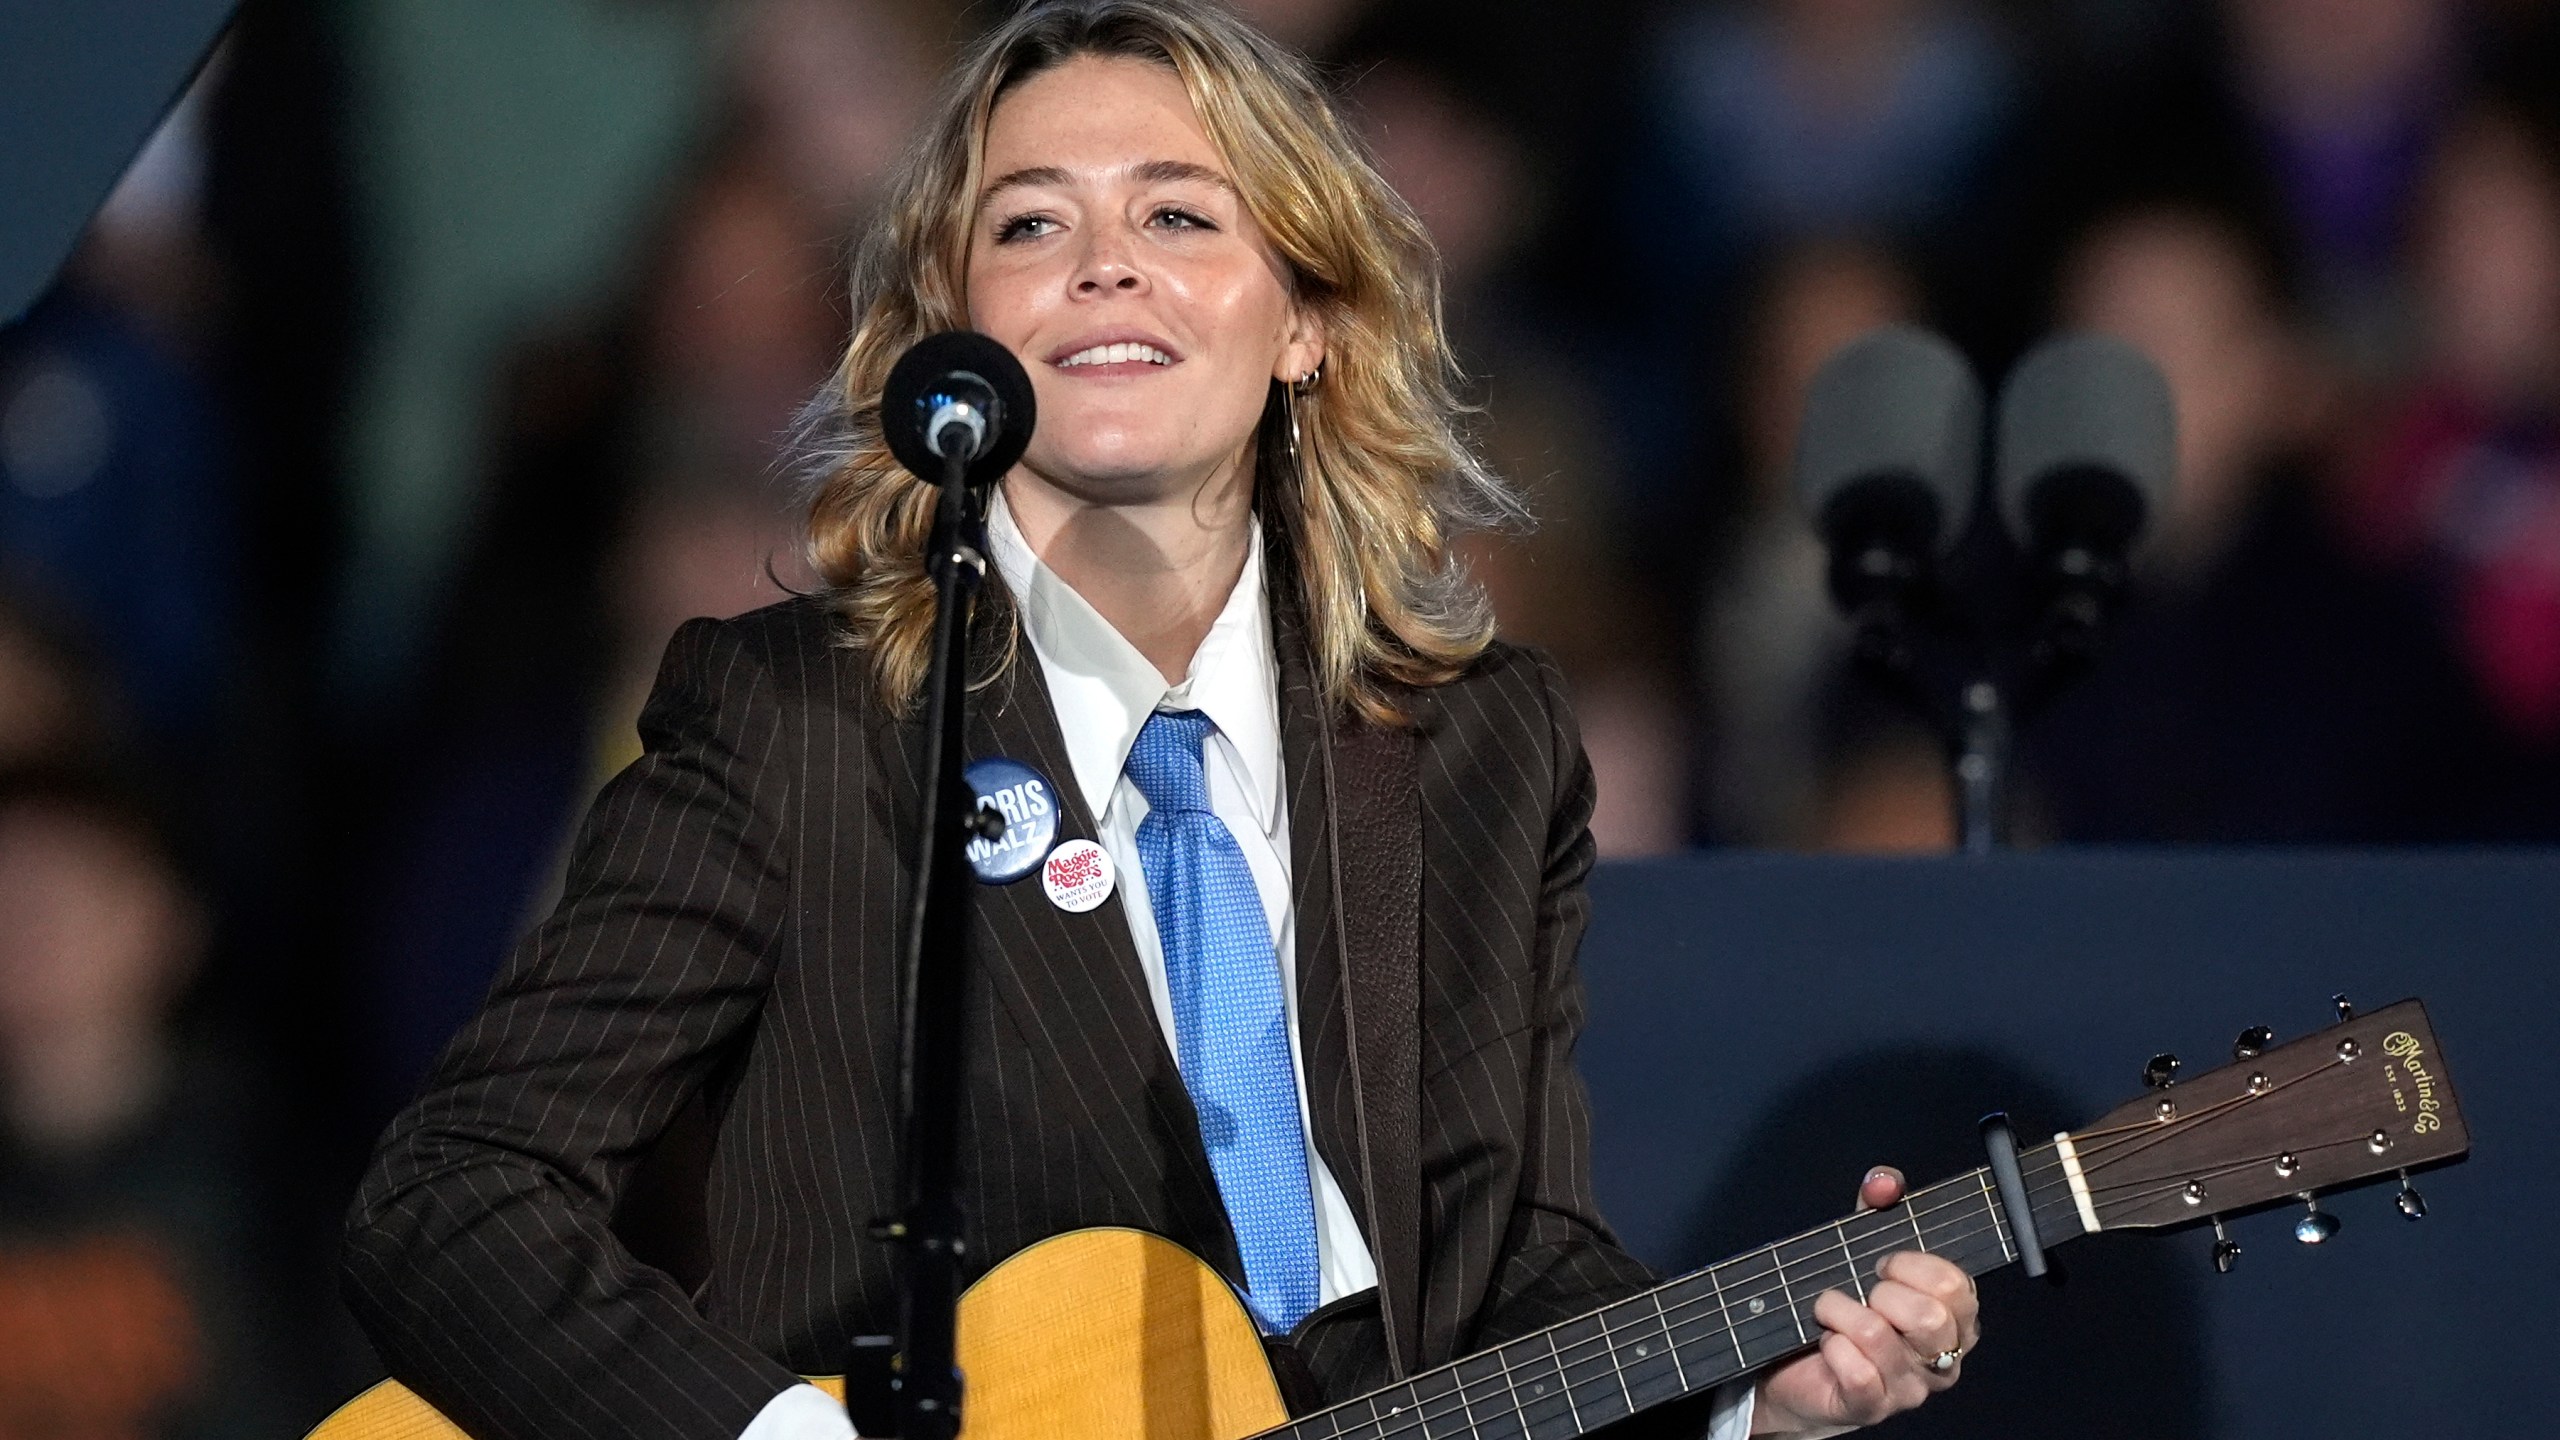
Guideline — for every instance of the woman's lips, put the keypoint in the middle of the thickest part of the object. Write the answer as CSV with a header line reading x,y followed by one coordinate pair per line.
x,y
1126,352
1103,362
1114,354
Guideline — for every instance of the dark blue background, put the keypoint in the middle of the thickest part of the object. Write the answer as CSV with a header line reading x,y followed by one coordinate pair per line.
x,y
1824,1014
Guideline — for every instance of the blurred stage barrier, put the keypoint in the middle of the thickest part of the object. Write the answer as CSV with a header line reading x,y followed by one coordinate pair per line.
x,y
1763,1027
82,84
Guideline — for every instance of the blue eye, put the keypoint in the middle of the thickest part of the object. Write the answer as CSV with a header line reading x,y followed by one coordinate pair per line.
x,y
1174,219
1020,227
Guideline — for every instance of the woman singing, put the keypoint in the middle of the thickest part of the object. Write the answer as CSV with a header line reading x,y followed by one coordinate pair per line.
x,y
1306,1001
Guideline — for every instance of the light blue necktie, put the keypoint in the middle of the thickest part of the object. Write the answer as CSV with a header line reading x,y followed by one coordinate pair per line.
x,y
1230,1019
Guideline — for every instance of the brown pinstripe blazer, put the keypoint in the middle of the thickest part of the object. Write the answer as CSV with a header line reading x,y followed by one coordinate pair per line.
x,y
729,930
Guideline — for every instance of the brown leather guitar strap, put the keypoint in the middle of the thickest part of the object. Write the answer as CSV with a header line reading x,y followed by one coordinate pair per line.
x,y
1373,819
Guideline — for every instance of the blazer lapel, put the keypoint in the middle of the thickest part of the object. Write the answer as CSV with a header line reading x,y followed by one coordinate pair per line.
x,y
1324,1037
1355,823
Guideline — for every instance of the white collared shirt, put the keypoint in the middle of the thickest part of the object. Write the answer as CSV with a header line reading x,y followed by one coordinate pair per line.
x,y
1104,690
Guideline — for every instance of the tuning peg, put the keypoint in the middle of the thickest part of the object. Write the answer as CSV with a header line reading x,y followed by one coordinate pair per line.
x,y
2252,1043
2316,1226
2411,1203
2162,1070
2226,1251
2345,1010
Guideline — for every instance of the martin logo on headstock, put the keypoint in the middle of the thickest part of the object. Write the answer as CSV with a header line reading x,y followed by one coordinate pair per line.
x,y
2410,1057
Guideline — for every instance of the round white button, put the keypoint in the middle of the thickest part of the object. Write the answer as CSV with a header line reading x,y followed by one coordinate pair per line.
x,y
1078,876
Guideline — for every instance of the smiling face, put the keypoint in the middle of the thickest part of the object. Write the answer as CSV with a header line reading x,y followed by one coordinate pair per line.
x,y
1112,253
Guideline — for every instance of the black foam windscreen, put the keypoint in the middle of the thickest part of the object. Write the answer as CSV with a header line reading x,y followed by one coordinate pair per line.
x,y
82,85
2088,441
1894,420
956,364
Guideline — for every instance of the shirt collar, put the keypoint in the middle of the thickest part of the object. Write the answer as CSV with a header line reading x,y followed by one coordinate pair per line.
x,y
1104,690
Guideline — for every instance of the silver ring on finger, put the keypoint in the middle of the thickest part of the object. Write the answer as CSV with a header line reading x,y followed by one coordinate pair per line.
x,y
1944,1362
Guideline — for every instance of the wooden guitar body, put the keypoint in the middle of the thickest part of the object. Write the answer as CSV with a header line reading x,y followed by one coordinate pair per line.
x,y
1095,1334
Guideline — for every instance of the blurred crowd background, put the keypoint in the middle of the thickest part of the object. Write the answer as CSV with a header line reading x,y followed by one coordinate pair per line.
x,y
432,364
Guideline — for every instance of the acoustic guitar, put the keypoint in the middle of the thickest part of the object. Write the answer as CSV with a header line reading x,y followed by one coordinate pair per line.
x,y
1106,1334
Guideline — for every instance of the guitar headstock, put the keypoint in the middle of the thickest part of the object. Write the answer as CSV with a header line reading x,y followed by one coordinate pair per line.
x,y
2364,1098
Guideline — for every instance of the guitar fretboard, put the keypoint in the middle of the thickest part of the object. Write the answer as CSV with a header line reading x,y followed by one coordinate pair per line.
x,y
1692,1334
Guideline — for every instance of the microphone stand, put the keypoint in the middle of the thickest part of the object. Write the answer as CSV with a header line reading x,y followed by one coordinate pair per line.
x,y
1982,769
925,1379
1936,642
1965,702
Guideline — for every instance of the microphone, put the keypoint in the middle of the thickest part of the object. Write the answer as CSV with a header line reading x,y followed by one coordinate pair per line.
x,y
958,397
1887,459
2088,438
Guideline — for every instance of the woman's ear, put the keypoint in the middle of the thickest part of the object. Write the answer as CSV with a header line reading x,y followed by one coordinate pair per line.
x,y
1304,353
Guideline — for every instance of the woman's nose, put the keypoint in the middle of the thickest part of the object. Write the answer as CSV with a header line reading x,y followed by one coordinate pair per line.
x,y
1108,265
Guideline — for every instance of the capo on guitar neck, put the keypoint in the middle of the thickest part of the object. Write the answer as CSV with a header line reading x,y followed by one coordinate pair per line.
x,y
2003,1148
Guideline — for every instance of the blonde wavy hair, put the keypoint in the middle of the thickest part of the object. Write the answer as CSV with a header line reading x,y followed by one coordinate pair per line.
x,y
1382,479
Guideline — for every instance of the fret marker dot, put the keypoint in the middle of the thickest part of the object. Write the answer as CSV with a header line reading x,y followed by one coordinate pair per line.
x,y
1758,1306
1538,1389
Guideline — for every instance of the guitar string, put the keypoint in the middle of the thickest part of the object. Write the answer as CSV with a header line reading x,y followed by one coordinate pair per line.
x,y
2138,1129
2157,1132
2145,1136
1423,1415
1557,1354
2139,1132
2156,1186
2136,1137
1665,1318
1957,1195
2050,1178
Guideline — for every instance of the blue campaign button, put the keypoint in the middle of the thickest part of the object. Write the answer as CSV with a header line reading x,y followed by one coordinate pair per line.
x,y
1029,804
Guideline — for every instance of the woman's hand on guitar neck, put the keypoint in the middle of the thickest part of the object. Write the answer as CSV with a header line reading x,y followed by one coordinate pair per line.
x,y
1874,1358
